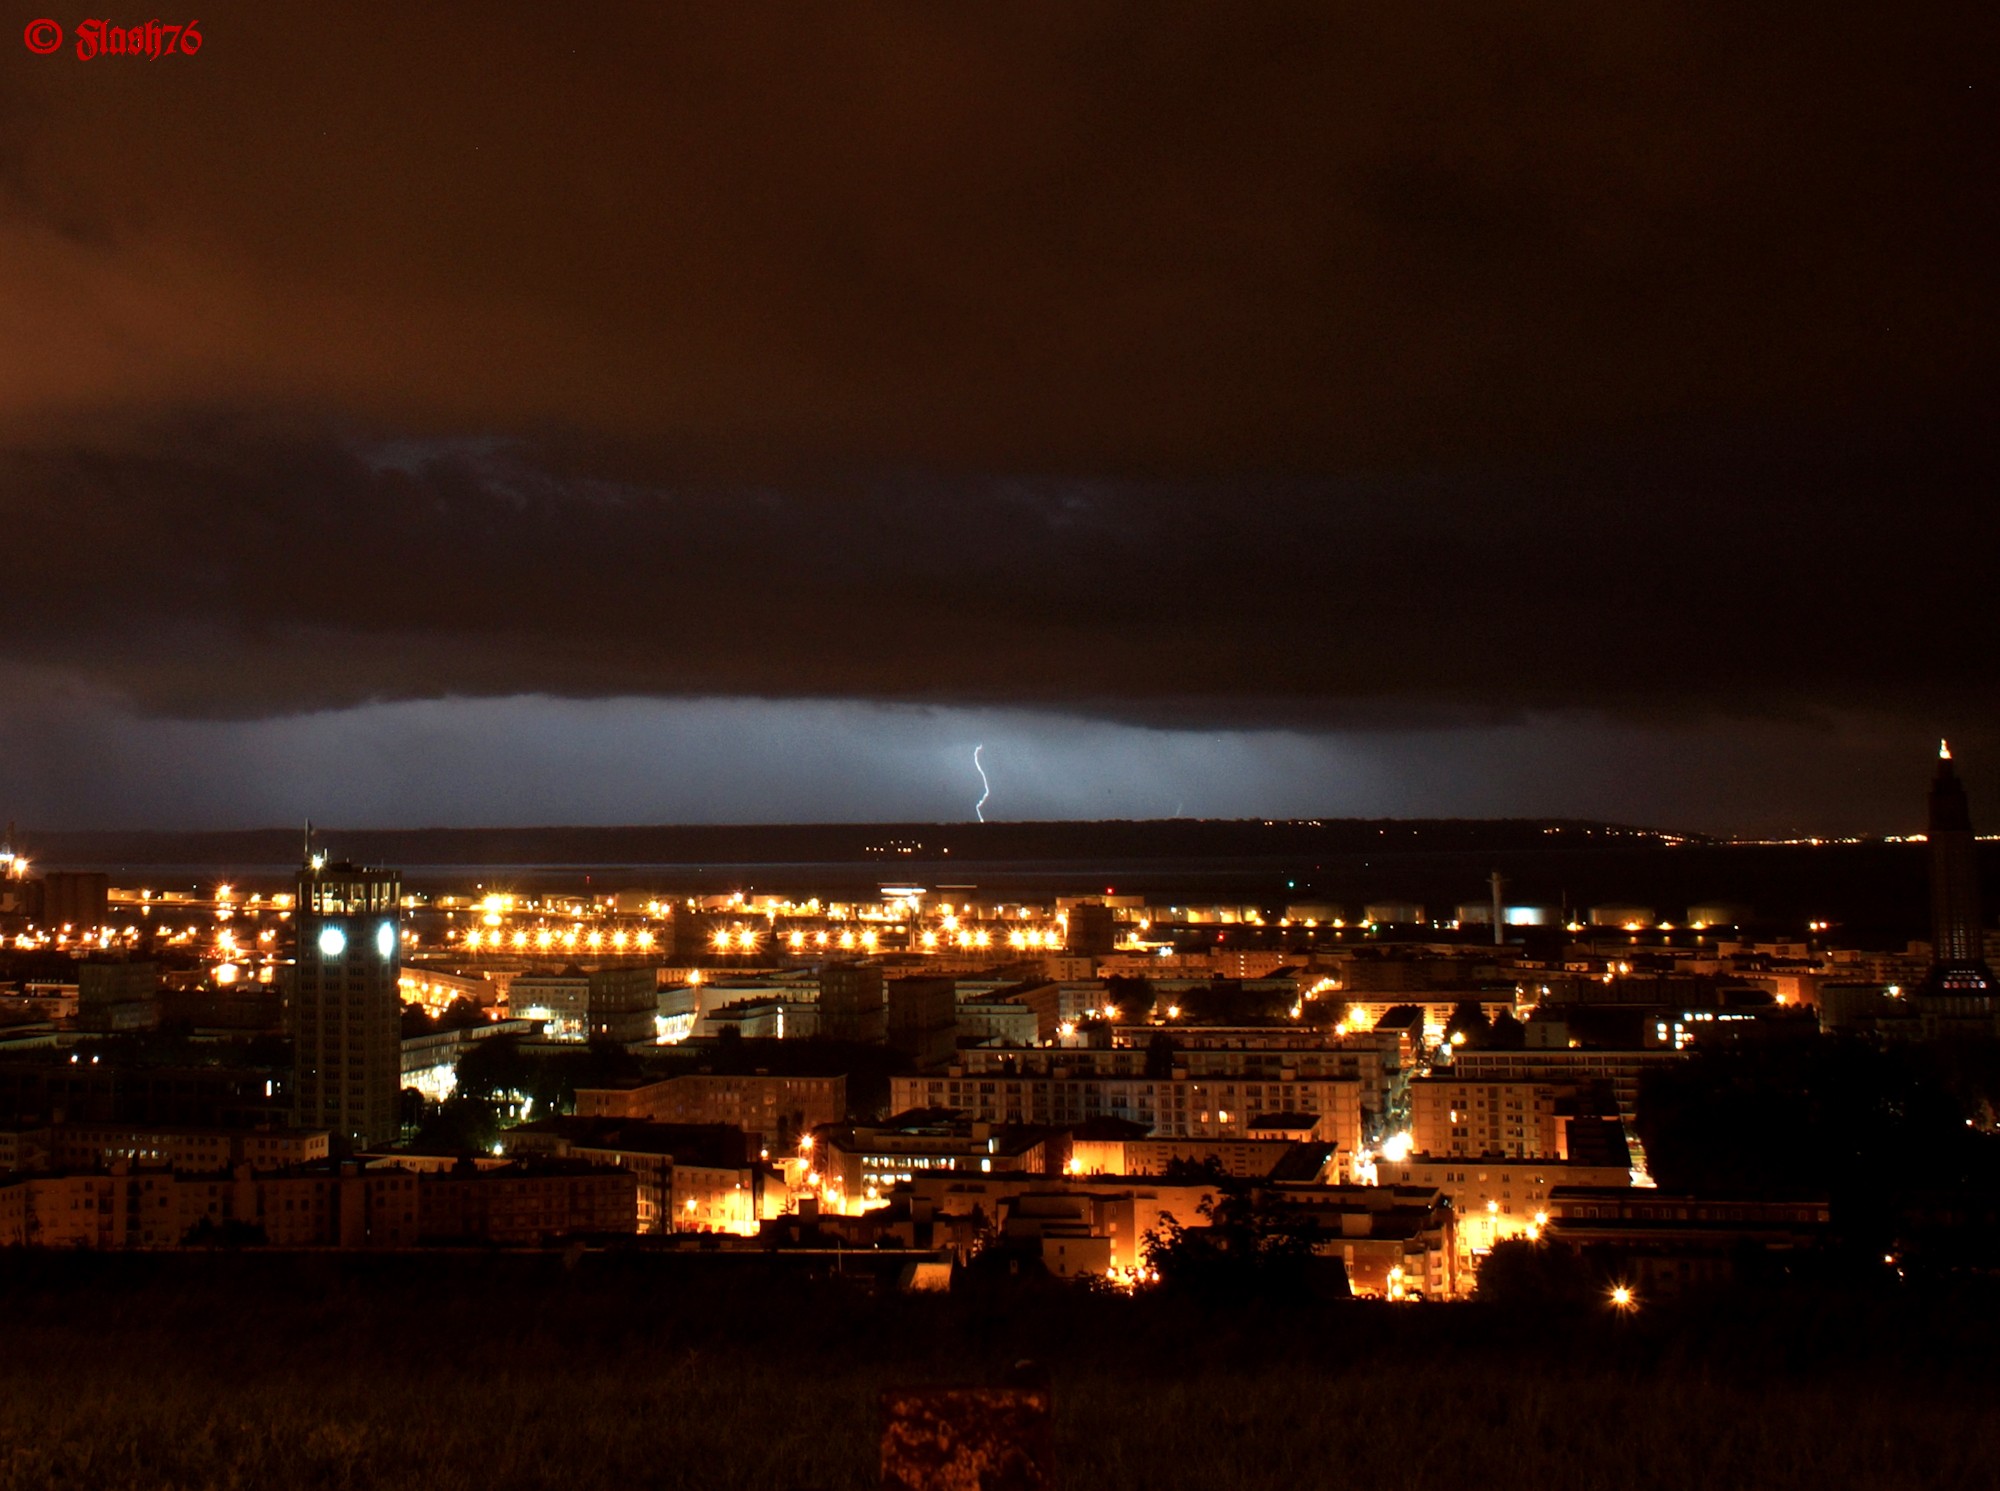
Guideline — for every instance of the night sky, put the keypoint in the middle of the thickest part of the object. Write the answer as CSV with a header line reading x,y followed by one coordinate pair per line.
x,y
473,414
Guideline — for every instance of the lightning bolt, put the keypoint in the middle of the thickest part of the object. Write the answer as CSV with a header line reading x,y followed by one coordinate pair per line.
x,y
986,787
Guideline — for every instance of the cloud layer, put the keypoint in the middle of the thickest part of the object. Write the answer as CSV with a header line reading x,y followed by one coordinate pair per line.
x,y
1305,376
81,760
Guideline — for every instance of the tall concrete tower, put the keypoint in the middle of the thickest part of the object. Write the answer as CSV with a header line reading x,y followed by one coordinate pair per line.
x,y
346,1014
1958,938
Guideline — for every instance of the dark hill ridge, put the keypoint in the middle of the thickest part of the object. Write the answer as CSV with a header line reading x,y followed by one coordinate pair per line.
x,y
846,843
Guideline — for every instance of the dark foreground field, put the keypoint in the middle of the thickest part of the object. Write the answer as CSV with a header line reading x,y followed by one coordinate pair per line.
x,y
450,1372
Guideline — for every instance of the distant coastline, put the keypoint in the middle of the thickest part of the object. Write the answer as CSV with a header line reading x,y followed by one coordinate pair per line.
x,y
890,844
1875,889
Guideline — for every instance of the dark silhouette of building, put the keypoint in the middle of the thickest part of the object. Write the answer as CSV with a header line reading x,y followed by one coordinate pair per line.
x,y
48,1087
346,1014
693,932
923,1019
853,1002
1959,981
526,1204
75,899
1093,930
117,994
1658,1243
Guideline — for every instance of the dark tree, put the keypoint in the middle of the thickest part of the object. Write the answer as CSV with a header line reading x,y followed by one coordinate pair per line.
x,y
1132,997
1227,1002
1182,1171
1881,1132
1256,1244
1468,1018
232,1233
461,1014
494,1066
1519,1274
458,1125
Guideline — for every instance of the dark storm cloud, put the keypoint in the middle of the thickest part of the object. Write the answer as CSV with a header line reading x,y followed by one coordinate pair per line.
x,y
1258,365
1096,238
78,758
215,568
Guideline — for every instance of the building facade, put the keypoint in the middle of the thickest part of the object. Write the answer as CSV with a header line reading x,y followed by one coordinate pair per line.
x,y
923,1019
853,1002
1452,1116
346,1012
1168,1107
773,1109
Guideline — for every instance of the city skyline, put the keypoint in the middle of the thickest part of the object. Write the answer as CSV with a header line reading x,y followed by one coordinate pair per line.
x,y
945,746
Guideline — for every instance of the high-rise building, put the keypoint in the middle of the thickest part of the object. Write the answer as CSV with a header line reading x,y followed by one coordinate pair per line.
x,y
923,1018
346,1012
1958,944
853,1002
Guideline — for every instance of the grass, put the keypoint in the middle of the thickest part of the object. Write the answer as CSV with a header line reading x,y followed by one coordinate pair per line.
x,y
488,1374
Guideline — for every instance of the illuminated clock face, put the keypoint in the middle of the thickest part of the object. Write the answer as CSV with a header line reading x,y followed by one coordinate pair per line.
x,y
332,942
385,940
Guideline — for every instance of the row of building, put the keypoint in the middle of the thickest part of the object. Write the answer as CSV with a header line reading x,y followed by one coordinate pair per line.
x,y
345,1205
